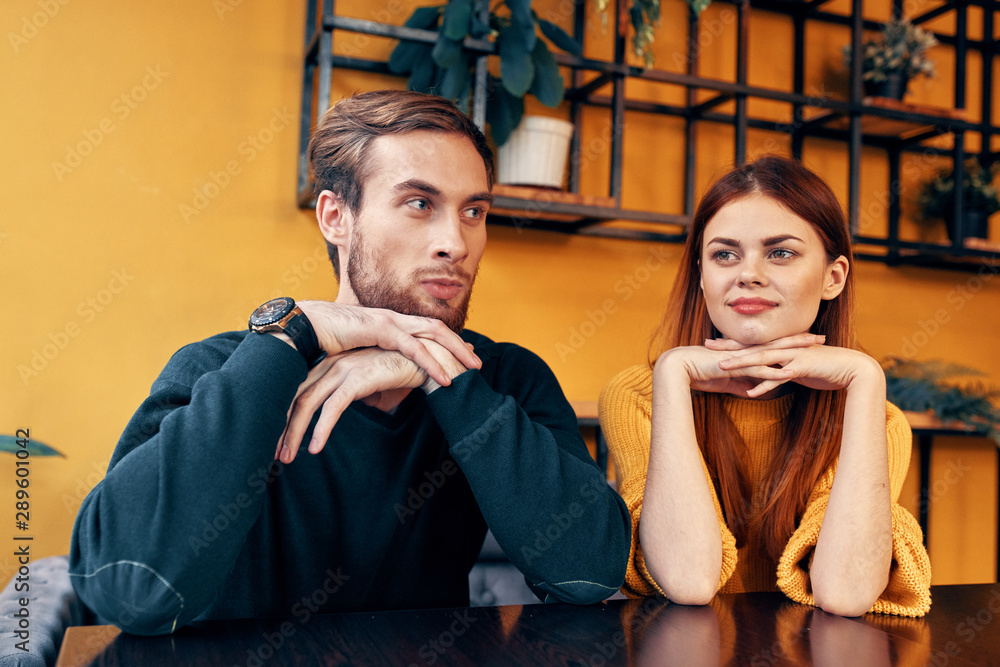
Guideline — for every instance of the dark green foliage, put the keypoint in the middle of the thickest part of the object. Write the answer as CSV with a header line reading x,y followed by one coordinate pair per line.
x,y
8,443
937,197
526,63
922,386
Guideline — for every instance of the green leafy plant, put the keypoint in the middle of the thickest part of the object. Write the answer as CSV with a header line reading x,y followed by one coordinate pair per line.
x,y
527,66
927,386
937,196
8,443
900,48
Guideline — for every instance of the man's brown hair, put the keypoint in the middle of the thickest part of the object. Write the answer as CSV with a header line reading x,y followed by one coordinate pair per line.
x,y
339,148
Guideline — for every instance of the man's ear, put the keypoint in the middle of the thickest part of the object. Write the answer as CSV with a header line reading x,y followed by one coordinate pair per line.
x,y
836,278
333,217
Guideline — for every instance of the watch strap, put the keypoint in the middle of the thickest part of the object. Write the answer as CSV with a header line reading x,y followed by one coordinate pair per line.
x,y
301,331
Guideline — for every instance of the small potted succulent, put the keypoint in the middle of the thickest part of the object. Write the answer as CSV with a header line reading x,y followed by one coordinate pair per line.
x,y
896,56
980,199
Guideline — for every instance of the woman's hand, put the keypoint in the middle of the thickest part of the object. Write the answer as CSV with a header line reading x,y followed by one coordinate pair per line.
x,y
711,367
803,359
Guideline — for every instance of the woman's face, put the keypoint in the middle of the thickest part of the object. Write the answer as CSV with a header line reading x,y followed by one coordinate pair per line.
x,y
764,271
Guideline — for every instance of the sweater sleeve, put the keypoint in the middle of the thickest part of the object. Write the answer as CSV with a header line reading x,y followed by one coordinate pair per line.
x,y
517,441
154,540
908,590
625,408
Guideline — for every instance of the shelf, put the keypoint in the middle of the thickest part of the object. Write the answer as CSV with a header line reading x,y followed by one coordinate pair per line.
x,y
903,121
857,124
520,201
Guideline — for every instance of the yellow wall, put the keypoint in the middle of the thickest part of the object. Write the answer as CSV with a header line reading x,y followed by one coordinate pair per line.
x,y
116,116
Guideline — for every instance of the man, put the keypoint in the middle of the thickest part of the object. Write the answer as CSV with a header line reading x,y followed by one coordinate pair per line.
x,y
421,438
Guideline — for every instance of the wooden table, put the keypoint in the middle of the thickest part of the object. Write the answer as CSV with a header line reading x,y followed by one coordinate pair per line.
x,y
963,628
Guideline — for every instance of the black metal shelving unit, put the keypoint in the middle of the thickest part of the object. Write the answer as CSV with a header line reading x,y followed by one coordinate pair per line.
x,y
857,122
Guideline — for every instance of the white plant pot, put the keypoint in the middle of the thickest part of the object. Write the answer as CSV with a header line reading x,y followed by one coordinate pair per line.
x,y
536,153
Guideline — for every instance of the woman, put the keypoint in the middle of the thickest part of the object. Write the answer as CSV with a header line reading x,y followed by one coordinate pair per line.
x,y
727,445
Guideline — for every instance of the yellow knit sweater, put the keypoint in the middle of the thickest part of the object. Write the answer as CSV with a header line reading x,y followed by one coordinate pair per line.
x,y
626,411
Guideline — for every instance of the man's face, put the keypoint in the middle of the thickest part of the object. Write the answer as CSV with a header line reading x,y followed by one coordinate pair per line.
x,y
415,245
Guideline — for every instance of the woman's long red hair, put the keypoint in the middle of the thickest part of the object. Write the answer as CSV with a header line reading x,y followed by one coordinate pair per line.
x,y
811,434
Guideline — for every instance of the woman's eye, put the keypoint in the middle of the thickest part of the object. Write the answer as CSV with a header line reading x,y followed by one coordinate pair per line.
x,y
723,255
782,253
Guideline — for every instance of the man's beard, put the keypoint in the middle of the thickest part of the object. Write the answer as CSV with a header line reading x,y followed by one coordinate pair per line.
x,y
371,280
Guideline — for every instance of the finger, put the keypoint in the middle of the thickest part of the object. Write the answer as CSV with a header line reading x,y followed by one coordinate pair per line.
x,y
724,344
436,330
302,410
762,372
755,358
764,387
353,388
414,350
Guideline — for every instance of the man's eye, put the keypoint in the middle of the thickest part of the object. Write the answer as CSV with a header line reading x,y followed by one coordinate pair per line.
x,y
419,204
475,212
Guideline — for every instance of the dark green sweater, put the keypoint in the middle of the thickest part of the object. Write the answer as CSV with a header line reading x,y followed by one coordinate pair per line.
x,y
195,520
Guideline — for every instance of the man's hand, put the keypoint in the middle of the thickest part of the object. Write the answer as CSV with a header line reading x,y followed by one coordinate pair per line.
x,y
340,328
363,374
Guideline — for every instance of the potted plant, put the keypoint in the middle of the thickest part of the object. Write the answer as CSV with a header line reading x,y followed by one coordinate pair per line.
x,y
526,63
980,199
925,386
898,55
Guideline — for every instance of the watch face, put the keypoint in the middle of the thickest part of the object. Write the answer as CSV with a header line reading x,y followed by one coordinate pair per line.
x,y
272,311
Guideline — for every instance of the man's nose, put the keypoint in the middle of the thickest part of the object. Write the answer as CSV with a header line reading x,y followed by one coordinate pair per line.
x,y
449,240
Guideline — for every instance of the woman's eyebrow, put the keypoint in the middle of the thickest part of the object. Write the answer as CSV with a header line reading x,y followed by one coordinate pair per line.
x,y
774,240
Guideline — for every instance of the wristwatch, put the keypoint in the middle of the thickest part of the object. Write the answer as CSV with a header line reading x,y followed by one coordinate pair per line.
x,y
281,315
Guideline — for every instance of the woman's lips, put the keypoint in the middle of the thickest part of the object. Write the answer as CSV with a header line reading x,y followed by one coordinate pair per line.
x,y
444,289
754,306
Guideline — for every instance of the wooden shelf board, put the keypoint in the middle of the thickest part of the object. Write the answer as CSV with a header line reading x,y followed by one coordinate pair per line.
x,y
538,198
880,126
